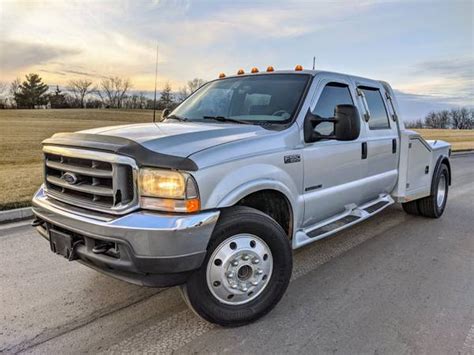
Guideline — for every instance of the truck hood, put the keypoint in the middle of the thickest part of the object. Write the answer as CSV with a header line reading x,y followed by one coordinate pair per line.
x,y
181,139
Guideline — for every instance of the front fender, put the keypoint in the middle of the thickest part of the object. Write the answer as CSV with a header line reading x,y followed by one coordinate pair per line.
x,y
250,187
227,185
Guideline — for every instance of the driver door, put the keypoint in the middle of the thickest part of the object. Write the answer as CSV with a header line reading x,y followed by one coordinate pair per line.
x,y
332,169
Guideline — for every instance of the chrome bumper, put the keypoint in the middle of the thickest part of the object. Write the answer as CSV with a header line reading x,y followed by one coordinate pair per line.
x,y
150,243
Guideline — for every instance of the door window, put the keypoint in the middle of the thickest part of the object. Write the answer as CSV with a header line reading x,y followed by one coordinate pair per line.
x,y
332,95
377,111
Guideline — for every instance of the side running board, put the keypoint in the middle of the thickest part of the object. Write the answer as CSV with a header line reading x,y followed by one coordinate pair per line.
x,y
349,217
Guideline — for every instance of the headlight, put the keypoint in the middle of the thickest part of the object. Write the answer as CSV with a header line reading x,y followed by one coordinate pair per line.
x,y
168,190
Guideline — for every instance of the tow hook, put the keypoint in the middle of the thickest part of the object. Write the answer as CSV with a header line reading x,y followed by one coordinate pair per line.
x,y
37,222
102,248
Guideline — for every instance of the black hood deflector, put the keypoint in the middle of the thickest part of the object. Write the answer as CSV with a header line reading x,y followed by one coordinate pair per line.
x,y
122,146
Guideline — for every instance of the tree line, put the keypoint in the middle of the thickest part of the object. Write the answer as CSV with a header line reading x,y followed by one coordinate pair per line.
x,y
113,92
457,118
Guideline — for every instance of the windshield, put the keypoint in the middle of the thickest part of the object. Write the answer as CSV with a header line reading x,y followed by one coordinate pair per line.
x,y
249,99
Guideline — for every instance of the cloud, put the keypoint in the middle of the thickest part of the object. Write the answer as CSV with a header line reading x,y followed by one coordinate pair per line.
x,y
450,80
457,68
65,72
416,106
52,72
17,55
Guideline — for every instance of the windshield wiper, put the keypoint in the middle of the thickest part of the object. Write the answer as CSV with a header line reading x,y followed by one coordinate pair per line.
x,y
224,119
178,118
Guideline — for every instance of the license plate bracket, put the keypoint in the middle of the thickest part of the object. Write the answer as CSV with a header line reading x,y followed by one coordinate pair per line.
x,y
61,243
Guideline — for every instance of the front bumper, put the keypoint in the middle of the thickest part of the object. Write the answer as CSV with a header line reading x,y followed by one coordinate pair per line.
x,y
150,249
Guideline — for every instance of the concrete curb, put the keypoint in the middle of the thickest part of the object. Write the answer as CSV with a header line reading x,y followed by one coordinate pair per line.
x,y
463,152
15,215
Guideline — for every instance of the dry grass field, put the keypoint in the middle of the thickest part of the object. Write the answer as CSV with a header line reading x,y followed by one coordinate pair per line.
x,y
460,139
21,133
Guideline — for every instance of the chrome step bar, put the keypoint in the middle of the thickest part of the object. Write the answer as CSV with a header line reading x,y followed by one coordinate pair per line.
x,y
353,214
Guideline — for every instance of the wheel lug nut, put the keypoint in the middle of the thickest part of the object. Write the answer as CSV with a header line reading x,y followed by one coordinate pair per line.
x,y
254,283
235,263
230,274
245,257
244,289
255,260
259,271
234,286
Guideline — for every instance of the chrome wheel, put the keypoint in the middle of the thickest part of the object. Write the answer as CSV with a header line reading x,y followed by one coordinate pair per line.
x,y
239,269
441,194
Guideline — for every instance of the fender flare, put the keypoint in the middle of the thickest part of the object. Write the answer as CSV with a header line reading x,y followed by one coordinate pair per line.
x,y
250,187
441,160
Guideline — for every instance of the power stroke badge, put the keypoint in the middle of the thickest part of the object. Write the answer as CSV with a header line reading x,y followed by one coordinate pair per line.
x,y
294,158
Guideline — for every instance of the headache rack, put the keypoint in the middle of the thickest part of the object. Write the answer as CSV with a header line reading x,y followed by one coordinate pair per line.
x,y
91,179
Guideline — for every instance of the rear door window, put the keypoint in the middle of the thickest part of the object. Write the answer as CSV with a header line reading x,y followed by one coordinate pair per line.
x,y
377,110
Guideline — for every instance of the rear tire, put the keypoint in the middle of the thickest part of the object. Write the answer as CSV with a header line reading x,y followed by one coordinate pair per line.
x,y
433,206
411,207
246,271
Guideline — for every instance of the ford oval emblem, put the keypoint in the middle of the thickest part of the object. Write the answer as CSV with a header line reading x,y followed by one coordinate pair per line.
x,y
70,178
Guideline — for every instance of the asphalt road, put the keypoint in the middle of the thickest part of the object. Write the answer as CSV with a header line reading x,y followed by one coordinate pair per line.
x,y
393,284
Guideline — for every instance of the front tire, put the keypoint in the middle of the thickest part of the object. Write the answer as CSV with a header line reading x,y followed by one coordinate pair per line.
x,y
246,271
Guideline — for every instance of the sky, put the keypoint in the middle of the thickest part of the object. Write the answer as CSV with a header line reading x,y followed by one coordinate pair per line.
x,y
424,49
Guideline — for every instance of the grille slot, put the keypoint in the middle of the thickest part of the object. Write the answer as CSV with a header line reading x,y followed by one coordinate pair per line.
x,y
89,183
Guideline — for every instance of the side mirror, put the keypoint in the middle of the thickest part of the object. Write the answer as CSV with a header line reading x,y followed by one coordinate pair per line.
x,y
346,124
165,113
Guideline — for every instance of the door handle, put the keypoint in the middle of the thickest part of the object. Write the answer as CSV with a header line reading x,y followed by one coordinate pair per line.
x,y
394,145
364,150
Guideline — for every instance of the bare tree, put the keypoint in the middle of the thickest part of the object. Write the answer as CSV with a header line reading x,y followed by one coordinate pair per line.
x,y
439,119
3,95
414,124
462,118
80,89
113,90
15,86
444,119
455,119
189,88
3,88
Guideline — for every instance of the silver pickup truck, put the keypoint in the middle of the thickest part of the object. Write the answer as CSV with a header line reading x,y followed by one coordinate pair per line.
x,y
216,195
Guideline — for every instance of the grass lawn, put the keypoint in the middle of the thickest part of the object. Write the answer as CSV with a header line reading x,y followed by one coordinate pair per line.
x,y
21,133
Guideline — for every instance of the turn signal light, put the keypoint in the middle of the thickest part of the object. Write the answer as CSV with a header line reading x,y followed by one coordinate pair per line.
x,y
240,72
254,70
270,68
193,205
299,68
221,75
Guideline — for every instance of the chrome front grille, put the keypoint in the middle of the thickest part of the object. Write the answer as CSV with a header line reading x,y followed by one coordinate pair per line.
x,y
90,179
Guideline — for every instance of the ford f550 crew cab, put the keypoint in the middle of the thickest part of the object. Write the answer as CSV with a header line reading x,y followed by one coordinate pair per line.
x,y
215,197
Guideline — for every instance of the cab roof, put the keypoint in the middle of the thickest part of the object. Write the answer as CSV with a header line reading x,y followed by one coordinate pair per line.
x,y
303,72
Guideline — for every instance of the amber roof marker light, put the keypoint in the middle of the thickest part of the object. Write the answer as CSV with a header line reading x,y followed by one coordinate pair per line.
x,y
254,70
221,75
240,72
299,67
270,69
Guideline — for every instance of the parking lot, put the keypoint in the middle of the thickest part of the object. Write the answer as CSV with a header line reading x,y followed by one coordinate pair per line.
x,y
393,284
